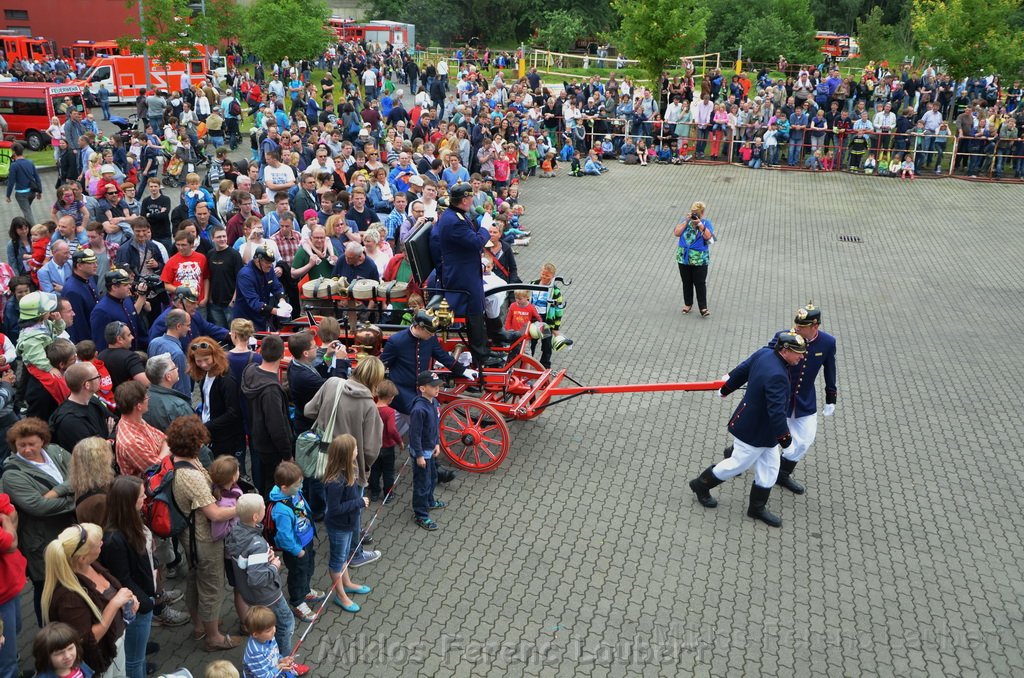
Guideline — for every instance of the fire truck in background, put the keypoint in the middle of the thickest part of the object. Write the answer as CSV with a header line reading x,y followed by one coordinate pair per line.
x,y
400,35
125,75
839,47
18,47
86,50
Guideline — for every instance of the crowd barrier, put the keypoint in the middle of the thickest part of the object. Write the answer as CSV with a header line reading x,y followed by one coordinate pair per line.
x,y
932,156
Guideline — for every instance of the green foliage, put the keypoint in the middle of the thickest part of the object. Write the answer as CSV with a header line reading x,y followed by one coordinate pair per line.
x,y
274,29
765,29
839,16
873,36
167,25
970,37
559,29
658,32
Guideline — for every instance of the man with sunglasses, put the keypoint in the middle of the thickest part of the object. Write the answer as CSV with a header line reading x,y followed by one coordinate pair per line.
x,y
123,303
82,415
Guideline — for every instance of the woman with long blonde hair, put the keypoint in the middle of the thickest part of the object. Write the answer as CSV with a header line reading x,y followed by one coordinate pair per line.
x,y
84,595
90,474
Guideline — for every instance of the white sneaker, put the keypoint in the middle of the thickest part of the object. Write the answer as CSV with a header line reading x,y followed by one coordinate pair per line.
x,y
171,617
303,613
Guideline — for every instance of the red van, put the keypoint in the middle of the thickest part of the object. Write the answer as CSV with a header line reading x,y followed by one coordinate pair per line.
x,y
28,106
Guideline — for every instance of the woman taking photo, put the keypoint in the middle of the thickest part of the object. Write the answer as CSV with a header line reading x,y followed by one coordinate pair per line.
x,y
36,478
204,593
219,406
693,256
127,553
84,595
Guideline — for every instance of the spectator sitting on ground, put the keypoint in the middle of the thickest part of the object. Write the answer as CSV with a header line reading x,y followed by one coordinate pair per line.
x,y
594,165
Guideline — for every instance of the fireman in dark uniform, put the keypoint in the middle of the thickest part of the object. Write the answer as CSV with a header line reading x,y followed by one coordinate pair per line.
x,y
758,425
802,416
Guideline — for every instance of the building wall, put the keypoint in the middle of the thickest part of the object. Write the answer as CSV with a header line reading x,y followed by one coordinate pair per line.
x,y
65,21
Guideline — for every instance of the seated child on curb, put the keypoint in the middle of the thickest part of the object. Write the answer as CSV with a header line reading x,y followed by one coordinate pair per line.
x,y
295,534
256,568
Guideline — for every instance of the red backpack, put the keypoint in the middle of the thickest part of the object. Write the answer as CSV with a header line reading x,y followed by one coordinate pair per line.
x,y
159,511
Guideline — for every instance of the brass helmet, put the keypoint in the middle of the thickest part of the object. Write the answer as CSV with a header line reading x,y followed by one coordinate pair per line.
x,y
368,339
808,315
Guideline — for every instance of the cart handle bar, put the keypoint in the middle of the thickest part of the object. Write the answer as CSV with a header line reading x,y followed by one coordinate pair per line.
x,y
562,391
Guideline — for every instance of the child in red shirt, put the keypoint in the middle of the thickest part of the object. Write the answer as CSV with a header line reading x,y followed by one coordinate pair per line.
x,y
382,473
521,313
40,242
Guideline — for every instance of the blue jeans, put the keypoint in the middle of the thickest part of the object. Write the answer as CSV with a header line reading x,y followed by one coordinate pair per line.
x,y
424,480
219,314
285,625
341,542
795,149
10,613
136,635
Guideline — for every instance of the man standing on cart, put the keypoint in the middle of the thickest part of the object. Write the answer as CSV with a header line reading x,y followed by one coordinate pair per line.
x,y
461,241
758,425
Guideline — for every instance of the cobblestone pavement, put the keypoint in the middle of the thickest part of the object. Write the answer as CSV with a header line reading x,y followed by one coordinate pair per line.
x,y
586,554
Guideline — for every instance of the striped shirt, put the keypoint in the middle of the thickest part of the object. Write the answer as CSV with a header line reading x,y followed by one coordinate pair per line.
x,y
138,446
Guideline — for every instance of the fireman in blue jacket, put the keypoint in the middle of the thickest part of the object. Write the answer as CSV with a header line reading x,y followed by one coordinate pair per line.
x,y
802,416
758,425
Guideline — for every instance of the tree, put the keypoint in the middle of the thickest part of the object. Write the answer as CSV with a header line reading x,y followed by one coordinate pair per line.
x,y
274,29
559,29
873,36
756,27
165,29
836,15
970,38
658,32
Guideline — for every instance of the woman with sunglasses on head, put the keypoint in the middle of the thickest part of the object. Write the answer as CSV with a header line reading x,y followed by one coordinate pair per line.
x,y
84,595
219,406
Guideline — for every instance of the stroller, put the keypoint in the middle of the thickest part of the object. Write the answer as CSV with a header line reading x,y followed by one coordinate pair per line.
x,y
125,126
179,161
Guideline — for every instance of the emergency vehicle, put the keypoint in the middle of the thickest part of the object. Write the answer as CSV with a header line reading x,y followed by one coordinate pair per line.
x,y
19,47
28,106
86,50
839,47
125,76
401,35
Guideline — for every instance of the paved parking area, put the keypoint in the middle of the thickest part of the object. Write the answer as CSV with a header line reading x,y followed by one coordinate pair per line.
x,y
586,554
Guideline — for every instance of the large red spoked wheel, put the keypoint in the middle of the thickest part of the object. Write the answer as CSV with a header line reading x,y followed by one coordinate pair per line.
x,y
473,435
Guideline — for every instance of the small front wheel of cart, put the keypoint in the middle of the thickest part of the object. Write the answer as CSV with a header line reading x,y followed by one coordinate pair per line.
x,y
473,435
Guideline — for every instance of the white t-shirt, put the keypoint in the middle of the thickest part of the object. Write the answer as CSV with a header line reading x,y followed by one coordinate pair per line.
x,y
369,78
207,383
280,175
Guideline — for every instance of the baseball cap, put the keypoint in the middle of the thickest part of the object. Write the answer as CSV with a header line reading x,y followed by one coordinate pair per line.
x,y
309,214
427,378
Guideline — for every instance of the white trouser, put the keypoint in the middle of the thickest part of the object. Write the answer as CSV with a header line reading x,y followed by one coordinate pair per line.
x,y
803,430
765,461
117,667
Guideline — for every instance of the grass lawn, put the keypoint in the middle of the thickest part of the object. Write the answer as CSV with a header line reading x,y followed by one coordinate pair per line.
x,y
43,158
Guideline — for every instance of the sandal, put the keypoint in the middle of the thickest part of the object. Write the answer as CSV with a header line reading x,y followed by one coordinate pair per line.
x,y
228,643
705,312
198,636
686,309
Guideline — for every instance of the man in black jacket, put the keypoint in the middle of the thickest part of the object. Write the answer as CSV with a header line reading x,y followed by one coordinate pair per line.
x,y
81,415
271,436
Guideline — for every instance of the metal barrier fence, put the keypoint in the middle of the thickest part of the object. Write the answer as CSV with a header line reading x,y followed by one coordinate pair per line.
x,y
855,151
547,62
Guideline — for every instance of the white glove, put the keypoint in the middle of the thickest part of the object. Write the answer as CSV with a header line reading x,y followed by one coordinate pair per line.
x,y
829,410
470,374
283,309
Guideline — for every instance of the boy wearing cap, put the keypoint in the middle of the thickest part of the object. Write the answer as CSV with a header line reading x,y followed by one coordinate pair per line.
x,y
424,447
